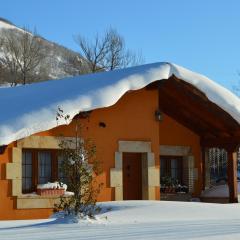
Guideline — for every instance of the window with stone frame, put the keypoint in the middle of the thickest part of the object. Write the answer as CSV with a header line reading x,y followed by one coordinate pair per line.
x,y
39,167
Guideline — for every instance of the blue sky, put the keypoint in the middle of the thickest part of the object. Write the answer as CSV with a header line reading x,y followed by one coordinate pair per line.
x,y
203,36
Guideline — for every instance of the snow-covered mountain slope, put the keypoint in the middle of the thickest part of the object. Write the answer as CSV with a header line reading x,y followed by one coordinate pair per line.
x,y
131,220
32,108
7,25
60,61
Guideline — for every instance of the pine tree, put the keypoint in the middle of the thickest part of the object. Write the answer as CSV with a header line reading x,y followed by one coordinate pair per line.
x,y
79,167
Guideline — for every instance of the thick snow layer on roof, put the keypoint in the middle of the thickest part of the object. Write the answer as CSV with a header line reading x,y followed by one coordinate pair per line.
x,y
29,109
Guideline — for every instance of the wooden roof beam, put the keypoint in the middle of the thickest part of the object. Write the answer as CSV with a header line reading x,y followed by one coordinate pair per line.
x,y
222,142
196,120
213,110
166,107
194,107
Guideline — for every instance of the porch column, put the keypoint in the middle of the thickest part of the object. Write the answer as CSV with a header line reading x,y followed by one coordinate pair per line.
x,y
203,168
232,175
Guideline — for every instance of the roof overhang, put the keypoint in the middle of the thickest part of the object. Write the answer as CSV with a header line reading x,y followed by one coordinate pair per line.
x,y
191,107
208,109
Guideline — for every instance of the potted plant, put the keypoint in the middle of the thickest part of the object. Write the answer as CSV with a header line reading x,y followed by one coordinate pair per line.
x,y
51,189
167,185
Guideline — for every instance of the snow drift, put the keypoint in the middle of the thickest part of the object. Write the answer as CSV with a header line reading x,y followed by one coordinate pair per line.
x,y
219,191
32,108
130,220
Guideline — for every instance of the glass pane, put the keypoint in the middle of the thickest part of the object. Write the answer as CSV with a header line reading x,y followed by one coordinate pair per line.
x,y
26,171
61,176
173,163
174,174
60,160
28,183
44,167
28,157
163,167
163,163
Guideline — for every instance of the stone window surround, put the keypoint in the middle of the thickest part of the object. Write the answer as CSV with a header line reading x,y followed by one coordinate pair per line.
x,y
153,173
14,171
186,153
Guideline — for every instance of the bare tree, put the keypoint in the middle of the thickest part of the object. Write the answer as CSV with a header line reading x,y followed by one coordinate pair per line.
x,y
107,52
75,65
22,55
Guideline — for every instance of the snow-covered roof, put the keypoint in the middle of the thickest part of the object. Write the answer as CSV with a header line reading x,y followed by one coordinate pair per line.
x,y
29,109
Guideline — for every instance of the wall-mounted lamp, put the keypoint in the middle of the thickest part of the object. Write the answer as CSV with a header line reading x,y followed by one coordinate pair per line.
x,y
158,115
102,124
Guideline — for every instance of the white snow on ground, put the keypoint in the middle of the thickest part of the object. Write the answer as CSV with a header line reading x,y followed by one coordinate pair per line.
x,y
5,85
218,191
137,220
32,108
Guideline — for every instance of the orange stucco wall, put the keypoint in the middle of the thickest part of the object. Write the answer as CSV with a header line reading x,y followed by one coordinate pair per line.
x,y
173,133
7,202
131,118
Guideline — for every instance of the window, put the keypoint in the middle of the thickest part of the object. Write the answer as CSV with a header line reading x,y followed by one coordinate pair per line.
x,y
27,171
39,167
171,167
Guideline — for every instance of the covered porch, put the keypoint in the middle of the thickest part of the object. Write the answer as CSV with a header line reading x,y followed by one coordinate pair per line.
x,y
215,127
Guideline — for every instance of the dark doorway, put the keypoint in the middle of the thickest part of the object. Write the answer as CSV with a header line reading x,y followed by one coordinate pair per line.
x,y
132,176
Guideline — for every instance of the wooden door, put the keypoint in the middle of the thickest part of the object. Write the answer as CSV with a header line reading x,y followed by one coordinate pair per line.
x,y
132,176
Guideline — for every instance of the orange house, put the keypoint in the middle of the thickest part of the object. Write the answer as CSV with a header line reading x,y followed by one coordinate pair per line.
x,y
150,122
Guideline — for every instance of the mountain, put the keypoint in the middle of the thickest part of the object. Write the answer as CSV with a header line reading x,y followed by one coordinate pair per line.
x,y
59,62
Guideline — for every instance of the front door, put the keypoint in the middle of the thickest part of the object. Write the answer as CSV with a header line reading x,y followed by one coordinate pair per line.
x,y
132,176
